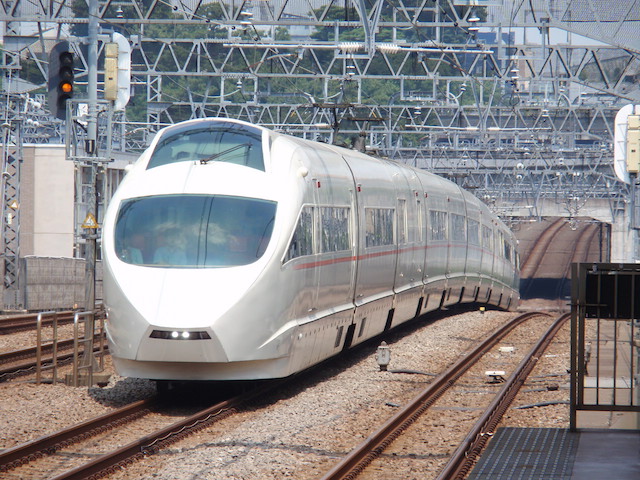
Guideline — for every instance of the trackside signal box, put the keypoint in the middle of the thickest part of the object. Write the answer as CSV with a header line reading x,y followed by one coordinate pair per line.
x,y
633,143
61,77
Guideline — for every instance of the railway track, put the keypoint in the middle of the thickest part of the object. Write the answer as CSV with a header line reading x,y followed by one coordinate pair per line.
x,y
86,444
355,463
206,443
24,361
19,323
530,265
580,254
28,321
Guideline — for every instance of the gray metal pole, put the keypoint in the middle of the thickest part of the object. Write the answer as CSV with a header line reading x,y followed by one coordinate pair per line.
x,y
91,151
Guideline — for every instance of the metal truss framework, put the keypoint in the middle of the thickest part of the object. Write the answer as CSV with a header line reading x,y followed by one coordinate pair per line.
x,y
513,99
11,163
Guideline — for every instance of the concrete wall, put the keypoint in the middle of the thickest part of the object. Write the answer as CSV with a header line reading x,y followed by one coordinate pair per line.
x,y
47,202
55,283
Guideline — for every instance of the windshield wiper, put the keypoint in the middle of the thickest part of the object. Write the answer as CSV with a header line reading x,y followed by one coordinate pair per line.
x,y
204,161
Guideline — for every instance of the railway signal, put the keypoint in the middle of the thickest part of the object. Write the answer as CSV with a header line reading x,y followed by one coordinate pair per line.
x,y
61,77
117,71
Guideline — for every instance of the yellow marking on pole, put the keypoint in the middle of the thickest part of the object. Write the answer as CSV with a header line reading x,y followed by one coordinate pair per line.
x,y
90,221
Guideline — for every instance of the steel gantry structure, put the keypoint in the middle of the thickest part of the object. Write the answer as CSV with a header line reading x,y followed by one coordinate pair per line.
x,y
515,99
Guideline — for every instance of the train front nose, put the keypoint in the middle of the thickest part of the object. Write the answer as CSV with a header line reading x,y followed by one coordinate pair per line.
x,y
176,318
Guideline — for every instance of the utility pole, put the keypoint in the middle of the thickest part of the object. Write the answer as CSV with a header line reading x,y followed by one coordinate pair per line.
x,y
91,145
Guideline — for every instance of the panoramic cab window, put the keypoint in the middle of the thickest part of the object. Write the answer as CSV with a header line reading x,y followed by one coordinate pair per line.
x,y
213,142
193,230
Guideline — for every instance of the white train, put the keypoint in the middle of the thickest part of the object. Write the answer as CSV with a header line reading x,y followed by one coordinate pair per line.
x,y
233,252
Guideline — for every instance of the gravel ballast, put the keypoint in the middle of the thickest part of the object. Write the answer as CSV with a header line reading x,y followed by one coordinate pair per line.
x,y
301,432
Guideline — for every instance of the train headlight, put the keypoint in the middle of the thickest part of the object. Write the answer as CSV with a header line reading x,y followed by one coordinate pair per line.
x,y
180,335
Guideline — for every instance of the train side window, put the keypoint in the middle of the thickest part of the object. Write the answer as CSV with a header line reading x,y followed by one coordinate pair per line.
x,y
379,226
507,250
302,240
335,229
502,246
457,228
438,222
402,221
487,237
473,231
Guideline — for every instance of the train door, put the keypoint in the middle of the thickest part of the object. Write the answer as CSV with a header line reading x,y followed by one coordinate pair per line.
x,y
436,263
457,250
474,253
488,258
356,212
410,258
376,247
354,190
503,255
429,301
334,197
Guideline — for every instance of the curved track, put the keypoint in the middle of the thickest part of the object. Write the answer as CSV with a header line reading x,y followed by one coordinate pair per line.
x,y
546,272
580,255
531,264
357,460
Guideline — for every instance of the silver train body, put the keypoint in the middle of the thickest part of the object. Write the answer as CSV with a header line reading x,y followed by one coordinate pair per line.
x,y
233,252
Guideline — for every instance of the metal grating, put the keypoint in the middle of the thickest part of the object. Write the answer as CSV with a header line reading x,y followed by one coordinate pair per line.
x,y
528,454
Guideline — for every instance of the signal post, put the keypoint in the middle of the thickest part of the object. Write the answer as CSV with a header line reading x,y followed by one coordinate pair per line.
x,y
82,148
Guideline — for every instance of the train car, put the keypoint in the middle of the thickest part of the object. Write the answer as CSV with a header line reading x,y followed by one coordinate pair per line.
x,y
233,252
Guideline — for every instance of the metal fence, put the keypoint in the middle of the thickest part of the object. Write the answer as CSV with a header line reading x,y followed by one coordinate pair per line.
x,y
605,343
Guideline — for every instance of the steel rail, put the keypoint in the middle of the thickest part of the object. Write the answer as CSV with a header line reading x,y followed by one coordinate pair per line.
x,y
17,323
531,264
13,370
358,459
15,355
27,321
471,447
154,442
49,444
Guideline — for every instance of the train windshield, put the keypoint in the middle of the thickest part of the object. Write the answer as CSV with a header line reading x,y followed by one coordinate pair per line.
x,y
211,142
197,231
